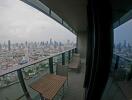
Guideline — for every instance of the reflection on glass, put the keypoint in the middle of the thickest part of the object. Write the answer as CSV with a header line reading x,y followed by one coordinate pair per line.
x,y
10,88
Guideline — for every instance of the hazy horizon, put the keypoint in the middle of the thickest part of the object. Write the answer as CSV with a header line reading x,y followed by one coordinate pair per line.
x,y
20,22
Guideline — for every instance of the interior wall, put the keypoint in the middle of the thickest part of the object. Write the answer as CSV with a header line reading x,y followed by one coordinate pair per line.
x,y
82,44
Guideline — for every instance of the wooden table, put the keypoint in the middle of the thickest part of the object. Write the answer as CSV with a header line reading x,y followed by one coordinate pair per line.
x,y
49,85
126,88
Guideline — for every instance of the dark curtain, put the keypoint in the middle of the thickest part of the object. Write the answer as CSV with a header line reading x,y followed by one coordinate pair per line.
x,y
99,48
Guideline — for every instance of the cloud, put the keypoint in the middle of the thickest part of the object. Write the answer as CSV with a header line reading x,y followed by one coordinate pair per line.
x,y
21,22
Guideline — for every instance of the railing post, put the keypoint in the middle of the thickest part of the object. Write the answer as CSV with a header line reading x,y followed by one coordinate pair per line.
x,y
63,58
69,56
75,50
20,76
51,65
72,51
117,63
130,74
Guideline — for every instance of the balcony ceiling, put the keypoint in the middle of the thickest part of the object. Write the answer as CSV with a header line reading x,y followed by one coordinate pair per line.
x,y
72,11
120,7
75,14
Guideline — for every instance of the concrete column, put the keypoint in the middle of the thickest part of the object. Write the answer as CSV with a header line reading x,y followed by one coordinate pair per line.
x,y
82,44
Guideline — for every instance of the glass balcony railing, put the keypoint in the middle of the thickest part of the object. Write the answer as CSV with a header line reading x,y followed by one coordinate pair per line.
x,y
10,87
14,82
119,85
122,67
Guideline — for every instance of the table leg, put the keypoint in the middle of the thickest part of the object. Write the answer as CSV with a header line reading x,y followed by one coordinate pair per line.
x,y
63,92
41,97
63,89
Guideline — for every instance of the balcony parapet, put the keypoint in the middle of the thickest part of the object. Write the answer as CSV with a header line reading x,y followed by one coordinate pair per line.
x,y
15,68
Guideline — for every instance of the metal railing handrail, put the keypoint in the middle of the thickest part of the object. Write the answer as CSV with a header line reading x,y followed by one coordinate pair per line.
x,y
15,68
116,65
128,59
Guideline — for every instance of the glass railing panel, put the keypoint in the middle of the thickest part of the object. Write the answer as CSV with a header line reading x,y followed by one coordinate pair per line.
x,y
124,68
30,75
66,57
114,59
55,61
59,58
113,63
120,80
10,88
33,73
70,55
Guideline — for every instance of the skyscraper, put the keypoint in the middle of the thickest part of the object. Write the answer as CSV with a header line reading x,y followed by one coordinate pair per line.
x,y
124,45
26,44
9,45
51,43
0,47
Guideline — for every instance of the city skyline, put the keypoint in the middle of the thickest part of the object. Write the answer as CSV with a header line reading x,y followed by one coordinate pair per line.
x,y
20,22
6,42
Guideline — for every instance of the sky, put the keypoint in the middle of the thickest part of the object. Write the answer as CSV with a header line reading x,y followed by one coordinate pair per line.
x,y
20,22
123,32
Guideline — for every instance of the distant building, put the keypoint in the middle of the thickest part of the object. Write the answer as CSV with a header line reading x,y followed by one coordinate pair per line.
x,y
51,43
124,45
23,61
26,44
9,45
0,47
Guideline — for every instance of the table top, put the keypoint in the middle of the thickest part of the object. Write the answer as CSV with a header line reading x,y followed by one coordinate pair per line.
x,y
49,85
126,87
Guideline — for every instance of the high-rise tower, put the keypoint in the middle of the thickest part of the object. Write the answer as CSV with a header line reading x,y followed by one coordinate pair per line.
x,y
9,45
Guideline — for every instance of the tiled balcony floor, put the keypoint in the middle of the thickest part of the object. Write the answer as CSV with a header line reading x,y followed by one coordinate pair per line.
x,y
75,91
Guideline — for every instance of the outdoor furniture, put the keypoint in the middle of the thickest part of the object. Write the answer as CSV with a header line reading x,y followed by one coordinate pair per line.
x,y
62,70
126,88
75,62
49,85
76,54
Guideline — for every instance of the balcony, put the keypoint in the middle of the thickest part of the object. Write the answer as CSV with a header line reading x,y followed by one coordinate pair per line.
x,y
14,83
73,16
